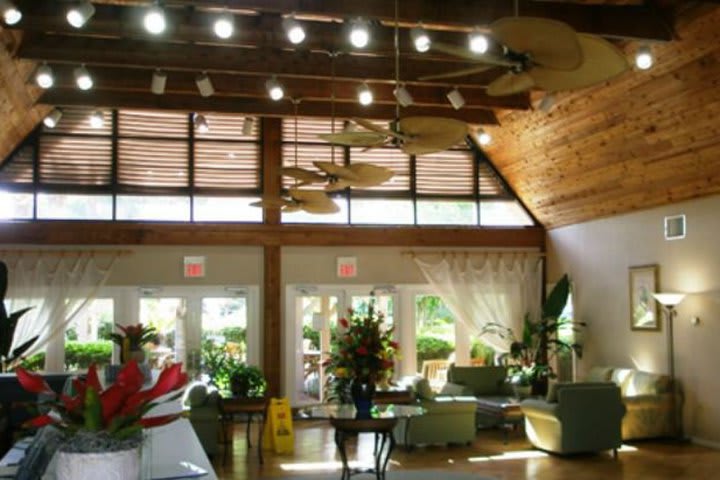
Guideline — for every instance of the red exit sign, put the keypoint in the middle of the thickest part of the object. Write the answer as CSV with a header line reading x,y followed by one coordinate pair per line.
x,y
346,267
194,267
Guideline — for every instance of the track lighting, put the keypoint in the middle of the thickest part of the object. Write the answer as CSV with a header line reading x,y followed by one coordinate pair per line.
x,y
159,79
644,58
403,96
294,30
483,137
478,42
365,95
82,78
80,13
154,20
359,33
420,38
274,89
11,15
456,99
52,118
44,76
247,127
97,119
201,123
224,26
204,85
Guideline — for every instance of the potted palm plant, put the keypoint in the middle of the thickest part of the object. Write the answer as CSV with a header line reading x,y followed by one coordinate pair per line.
x,y
8,323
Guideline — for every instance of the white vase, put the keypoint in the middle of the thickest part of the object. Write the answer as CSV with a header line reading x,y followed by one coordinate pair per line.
x,y
122,465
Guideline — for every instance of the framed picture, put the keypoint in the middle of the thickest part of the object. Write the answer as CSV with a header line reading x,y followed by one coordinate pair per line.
x,y
643,307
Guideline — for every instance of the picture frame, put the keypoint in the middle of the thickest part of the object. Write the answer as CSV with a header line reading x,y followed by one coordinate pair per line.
x,y
644,310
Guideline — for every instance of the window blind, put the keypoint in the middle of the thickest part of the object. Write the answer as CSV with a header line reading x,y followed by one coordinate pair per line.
x,y
227,165
489,184
446,173
75,160
152,165
18,169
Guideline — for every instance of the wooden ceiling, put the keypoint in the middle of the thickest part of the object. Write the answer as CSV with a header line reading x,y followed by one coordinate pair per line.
x,y
590,156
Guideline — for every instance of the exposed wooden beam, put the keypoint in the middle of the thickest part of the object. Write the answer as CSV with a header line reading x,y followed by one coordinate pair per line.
x,y
272,319
271,164
128,233
628,21
183,83
254,106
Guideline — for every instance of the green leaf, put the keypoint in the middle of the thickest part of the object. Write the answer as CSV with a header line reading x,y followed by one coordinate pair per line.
x,y
93,410
556,301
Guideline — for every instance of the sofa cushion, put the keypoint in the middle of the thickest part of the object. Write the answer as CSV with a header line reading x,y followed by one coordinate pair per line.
x,y
555,388
599,374
453,389
423,390
482,380
646,383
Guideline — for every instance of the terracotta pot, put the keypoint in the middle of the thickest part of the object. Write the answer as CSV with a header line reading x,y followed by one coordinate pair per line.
x,y
121,465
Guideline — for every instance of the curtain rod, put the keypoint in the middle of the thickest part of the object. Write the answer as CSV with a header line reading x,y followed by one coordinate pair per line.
x,y
61,253
471,252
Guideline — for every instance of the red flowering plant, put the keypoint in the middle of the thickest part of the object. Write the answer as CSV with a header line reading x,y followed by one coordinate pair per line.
x,y
362,350
132,338
113,417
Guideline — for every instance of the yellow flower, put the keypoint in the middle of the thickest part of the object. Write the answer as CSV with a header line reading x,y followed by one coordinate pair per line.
x,y
341,372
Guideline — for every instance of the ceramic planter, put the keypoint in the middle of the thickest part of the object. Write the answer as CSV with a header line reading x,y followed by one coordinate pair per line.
x,y
121,465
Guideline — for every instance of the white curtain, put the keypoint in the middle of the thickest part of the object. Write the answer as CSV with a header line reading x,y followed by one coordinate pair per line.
x,y
58,287
483,288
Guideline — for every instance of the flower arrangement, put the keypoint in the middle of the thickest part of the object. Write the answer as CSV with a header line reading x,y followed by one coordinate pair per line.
x,y
132,338
110,419
362,350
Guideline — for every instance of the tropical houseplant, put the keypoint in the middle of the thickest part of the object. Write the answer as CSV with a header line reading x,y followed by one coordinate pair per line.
x,y
131,341
102,428
226,371
8,323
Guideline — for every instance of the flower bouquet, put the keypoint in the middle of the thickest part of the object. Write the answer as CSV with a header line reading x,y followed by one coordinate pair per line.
x,y
132,339
103,423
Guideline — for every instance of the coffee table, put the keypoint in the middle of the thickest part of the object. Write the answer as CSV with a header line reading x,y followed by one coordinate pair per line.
x,y
500,411
382,422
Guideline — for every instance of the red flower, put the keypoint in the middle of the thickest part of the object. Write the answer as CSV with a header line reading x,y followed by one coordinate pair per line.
x,y
344,323
394,345
40,421
159,420
361,350
32,382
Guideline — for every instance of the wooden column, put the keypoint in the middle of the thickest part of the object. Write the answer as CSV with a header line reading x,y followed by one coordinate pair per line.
x,y
271,129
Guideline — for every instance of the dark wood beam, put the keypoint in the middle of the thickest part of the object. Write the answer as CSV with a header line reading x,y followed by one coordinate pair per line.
x,y
271,164
272,319
179,56
624,21
254,106
226,85
130,233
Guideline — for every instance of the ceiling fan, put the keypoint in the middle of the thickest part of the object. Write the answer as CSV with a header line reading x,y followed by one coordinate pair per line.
x,y
310,201
539,53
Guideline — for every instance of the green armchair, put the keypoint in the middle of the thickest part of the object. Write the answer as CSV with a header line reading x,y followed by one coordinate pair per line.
x,y
204,415
576,417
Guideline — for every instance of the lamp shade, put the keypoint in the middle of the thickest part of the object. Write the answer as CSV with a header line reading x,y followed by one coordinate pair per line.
x,y
669,299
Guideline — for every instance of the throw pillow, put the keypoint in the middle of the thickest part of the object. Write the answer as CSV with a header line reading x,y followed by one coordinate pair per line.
x,y
423,390
454,390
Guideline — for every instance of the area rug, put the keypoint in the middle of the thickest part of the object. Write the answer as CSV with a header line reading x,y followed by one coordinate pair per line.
x,y
393,475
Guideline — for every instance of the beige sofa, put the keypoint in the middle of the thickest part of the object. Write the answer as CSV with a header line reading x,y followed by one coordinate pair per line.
x,y
648,401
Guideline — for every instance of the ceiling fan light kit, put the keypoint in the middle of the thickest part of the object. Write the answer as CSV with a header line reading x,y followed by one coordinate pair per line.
x,y
10,13
159,80
78,15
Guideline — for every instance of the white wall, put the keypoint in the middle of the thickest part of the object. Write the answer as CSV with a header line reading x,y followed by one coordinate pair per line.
x,y
597,256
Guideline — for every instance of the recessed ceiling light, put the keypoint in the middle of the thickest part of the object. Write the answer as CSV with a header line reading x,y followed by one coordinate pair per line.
x,y
82,78
644,58
44,76
294,30
420,38
359,33
80,13
52,118
224,26
274,89
10,13
97,119
478,42
483,137
154,20
365,95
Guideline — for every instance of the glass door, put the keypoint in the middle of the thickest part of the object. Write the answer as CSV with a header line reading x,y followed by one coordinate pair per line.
x,y
169,317
318,319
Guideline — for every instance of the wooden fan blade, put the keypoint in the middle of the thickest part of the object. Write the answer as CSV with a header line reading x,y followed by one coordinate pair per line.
x,y
457,73
306,177
355,139
369,175
314,201
292,208
337,171
431,134
488,60
550,43
271,202
371,126
510,83
602,61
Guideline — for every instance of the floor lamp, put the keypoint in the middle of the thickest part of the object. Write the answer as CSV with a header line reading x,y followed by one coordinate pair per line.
x,y
670,301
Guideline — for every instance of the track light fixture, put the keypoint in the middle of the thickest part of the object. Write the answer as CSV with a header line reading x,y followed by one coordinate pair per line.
x,y
403,96
456,99
52,119
644,58
159,80
44,76
204,85
247,127
97,119
359,33
294,30
420,38
478,42
201,123
80,13
274,89
224,26
483,137
11,15
365,95
154,20
83,79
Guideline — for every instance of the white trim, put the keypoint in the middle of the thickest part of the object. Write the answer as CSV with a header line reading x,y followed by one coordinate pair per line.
x,y
705,443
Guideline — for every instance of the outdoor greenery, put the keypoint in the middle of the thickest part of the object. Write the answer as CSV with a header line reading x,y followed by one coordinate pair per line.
x,y
432,348
78,356
229,373
313,335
